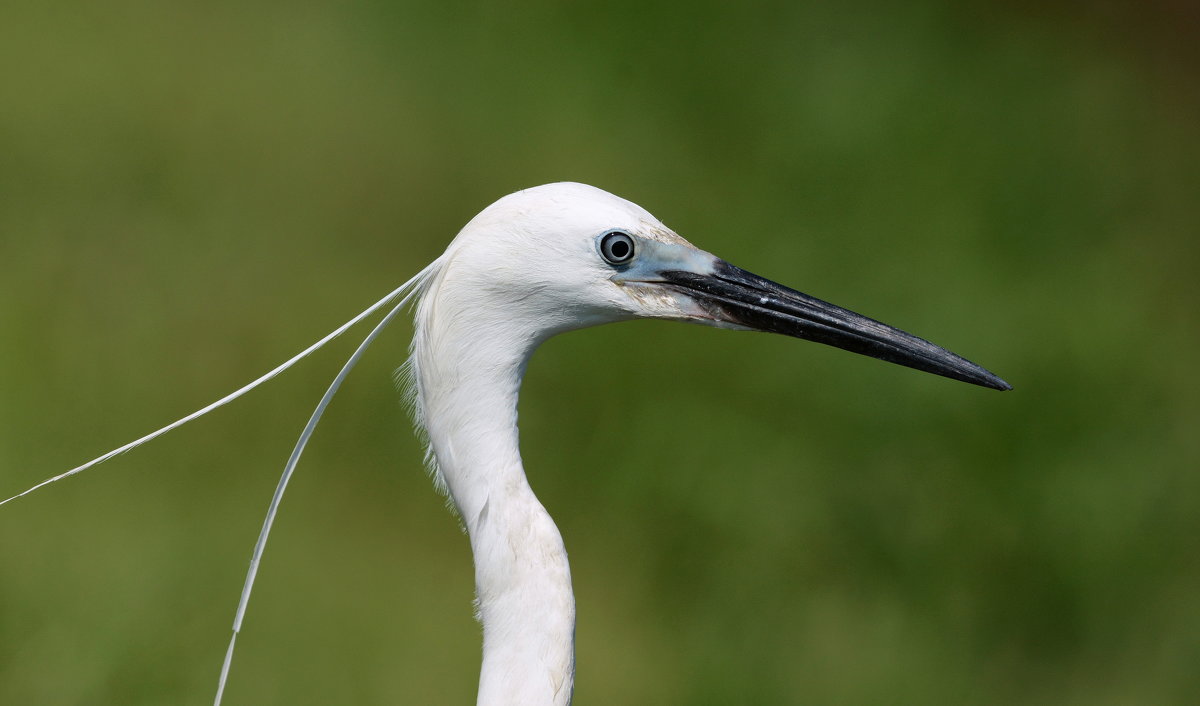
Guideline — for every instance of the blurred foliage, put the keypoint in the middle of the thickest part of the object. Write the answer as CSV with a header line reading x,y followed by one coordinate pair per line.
x,y
191,192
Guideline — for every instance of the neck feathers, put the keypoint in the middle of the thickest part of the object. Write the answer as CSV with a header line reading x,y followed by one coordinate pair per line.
x,y
466,366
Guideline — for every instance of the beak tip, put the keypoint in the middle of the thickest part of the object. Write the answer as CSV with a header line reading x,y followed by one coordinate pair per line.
x,y
993,381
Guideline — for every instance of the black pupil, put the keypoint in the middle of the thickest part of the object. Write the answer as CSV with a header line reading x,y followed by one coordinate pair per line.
x,y
618,248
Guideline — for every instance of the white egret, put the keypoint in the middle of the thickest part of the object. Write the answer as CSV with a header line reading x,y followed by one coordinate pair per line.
x,y
533,264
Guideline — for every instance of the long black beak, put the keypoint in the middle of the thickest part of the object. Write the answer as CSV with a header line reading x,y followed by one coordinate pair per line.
x,y
739,297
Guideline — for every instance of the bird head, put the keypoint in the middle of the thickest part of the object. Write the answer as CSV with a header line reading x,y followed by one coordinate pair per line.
x,y
564,256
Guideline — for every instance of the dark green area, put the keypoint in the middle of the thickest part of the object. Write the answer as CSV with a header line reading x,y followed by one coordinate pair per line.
x,y
192,192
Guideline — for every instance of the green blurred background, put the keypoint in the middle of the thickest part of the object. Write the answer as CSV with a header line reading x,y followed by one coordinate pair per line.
x,y
191,192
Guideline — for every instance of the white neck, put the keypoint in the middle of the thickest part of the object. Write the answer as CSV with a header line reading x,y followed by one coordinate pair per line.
x,y
467,399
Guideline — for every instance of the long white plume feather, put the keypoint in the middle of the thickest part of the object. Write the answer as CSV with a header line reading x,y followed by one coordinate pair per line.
x,y
405,293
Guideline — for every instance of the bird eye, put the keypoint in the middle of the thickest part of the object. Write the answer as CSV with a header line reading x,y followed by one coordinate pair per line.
x,y
617,248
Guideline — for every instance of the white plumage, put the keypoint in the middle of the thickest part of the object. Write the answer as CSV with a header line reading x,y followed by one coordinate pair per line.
x,y
523,270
